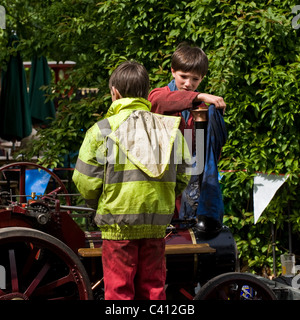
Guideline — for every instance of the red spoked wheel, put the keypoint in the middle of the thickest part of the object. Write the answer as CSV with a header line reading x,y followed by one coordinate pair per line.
x,y
38,266
235,286
21,167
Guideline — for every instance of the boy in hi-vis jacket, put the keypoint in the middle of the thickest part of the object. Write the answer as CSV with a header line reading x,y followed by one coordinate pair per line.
x,y
130,168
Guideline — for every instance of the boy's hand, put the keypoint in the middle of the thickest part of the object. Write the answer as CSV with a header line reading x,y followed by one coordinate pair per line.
x,y
211,99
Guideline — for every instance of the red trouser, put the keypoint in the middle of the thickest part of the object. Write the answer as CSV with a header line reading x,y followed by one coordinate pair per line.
x,y
134,269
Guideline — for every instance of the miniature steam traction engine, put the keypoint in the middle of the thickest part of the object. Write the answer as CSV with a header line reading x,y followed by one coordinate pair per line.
x,y
46,255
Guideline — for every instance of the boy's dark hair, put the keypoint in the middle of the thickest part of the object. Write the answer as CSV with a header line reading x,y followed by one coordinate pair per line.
x,y
131,79
189,59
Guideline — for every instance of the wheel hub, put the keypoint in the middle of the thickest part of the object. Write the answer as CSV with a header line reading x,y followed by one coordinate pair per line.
x,y
14,296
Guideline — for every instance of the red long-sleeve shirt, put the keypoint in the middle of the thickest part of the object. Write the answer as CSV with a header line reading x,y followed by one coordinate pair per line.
x,y
172,103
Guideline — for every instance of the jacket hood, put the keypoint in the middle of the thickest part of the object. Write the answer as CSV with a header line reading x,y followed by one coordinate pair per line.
x,y
146,138
128,104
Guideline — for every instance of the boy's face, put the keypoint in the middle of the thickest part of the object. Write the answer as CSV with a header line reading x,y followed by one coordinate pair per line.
x,y
188,81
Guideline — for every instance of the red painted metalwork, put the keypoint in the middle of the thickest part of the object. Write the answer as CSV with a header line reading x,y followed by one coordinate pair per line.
x,y
57,67
9,219
22,169
41,267
13,271
22,183
39,244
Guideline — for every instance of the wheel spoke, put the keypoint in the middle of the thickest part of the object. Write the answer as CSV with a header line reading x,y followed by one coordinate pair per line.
x,y
55,284
57,190
37,280
13,271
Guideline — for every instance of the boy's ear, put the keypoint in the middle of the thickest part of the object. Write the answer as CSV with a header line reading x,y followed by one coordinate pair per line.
x,y
173,72
115,93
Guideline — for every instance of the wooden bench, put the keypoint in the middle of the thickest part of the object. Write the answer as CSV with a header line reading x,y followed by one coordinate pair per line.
x,y
170,249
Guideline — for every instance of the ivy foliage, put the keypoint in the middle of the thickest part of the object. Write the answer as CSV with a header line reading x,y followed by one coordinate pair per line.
x,y
254,57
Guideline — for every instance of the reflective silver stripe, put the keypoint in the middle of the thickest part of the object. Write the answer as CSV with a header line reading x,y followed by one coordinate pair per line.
x,y
104,127
134,219
89,170
136,175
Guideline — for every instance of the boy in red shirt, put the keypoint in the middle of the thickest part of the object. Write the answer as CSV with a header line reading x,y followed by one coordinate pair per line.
x,y
189,66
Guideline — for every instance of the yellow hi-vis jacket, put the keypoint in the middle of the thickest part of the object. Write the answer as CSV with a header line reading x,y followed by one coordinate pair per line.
x,y
130,167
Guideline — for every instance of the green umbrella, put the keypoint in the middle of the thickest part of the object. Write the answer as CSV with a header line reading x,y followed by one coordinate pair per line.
x,y
15,121
40,75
